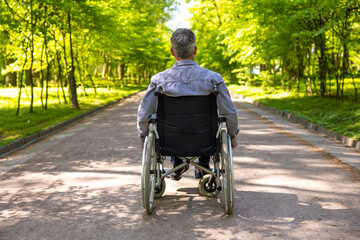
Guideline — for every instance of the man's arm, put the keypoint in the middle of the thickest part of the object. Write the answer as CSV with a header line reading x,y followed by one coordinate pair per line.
x,y
146,108
228,110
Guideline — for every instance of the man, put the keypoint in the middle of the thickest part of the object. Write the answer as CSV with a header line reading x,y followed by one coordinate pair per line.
x,y
186,78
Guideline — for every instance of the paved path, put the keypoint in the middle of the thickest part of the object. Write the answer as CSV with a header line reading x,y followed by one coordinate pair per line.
x,y
84,183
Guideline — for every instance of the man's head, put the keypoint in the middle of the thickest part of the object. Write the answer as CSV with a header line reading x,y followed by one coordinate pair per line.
x,y
183,44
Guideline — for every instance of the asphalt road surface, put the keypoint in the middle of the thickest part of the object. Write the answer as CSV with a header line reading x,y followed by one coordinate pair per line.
x,y
84,183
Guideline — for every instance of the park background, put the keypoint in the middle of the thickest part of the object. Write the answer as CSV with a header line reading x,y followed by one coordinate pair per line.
x,y
59,59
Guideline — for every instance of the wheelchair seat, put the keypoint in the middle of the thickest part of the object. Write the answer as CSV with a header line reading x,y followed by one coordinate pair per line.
x,y
187,125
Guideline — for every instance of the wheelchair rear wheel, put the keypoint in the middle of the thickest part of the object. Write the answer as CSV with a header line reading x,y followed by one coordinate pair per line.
x,y
148,173
227,176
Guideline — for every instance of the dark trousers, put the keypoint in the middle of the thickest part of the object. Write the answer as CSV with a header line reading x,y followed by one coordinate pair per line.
x,y
203,161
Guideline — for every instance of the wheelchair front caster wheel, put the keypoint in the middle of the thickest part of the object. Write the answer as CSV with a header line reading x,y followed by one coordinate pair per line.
x,y
159,192
208,188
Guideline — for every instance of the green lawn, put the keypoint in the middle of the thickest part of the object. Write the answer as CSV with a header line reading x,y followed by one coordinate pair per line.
x,y
341,117
13,127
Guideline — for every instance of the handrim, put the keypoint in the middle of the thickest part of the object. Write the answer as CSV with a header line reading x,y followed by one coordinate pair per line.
x,y
148,179
226,166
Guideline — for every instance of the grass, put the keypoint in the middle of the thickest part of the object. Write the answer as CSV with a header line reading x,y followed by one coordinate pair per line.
x,y
13,127
338,116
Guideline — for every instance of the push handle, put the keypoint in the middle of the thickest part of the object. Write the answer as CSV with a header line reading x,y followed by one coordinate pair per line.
x,y
157,92
215,90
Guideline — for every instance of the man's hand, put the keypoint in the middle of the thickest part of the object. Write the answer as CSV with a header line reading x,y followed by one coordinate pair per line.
x,y
233,143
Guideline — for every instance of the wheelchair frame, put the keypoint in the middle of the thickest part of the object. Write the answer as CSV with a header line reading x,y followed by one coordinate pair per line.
x,y
153,175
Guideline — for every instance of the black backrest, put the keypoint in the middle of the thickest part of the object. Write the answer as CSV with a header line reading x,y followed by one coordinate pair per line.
x,y
187,125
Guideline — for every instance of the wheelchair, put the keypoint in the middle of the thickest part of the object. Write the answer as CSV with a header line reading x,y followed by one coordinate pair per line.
x,y
187,127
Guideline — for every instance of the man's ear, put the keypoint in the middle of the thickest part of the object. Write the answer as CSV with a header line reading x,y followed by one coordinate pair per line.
x,y
172,52
195,50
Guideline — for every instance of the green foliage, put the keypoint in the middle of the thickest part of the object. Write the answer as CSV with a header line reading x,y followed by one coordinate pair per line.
x,y
207,23
341,117
314,42
105,33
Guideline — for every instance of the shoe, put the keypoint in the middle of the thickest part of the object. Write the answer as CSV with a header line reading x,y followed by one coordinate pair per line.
x,y
200,173
176,176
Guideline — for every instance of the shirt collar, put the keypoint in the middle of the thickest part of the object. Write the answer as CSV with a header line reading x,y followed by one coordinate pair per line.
x,y
185,62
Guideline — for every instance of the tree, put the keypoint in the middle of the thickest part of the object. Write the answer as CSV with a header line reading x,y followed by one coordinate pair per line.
x,y
308,42
66,42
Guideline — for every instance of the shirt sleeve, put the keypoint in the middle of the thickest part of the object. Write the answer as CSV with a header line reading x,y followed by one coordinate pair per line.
x,y
227,109
146,108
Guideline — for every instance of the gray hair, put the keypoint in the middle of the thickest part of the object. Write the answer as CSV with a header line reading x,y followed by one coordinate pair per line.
x,y
183,42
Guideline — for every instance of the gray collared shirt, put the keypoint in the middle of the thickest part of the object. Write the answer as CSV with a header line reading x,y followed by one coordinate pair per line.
x,y
187,78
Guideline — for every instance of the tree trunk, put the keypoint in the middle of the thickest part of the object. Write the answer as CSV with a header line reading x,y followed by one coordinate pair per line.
x,y
353,80
47,60
10,79
81,76
320,43
92,83
119,75
67,75
2,65
297,82
74,99
47,77
122,68
290,84
309,88
28,75
20,88
32,57
20,82
335,63
104,72
60,73
110,71
344,69
283,85
274,81
42,76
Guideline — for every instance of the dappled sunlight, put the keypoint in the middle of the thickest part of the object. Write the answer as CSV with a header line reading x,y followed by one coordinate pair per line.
x,y
273,179
332,205
244,160
257,132
273,148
